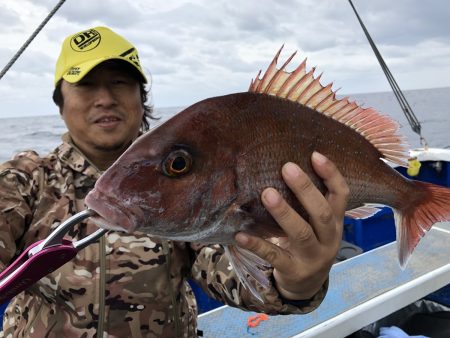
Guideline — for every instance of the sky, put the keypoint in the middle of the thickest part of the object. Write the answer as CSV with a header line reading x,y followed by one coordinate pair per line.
x,y
197,49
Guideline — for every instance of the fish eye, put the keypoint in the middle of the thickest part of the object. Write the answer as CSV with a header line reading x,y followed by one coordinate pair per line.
x,y
177,163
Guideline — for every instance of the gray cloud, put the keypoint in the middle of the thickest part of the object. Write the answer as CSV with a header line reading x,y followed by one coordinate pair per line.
x,y
198,48
111,12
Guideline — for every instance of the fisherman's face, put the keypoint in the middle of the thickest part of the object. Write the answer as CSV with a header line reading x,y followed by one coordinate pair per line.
x,y
103,111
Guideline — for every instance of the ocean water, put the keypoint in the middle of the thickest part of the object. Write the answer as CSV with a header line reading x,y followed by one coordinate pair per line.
x,y
431,106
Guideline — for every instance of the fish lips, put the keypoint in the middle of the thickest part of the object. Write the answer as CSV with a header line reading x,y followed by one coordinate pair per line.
x,y
110,214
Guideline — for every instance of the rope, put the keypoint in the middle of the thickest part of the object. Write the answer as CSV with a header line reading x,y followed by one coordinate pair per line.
x,y
25,45
407,110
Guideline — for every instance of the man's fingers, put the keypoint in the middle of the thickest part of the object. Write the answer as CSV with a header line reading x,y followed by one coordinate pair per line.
x,y
262,248
321,216
296,228
338,190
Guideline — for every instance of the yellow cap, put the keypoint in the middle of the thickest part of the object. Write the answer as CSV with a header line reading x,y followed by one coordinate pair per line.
x,y
82,51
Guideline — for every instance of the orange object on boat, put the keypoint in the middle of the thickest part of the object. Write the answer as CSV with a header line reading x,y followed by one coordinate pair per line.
x,y
254,321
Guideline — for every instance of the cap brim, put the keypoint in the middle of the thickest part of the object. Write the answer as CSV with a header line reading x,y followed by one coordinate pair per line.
x,y
77,72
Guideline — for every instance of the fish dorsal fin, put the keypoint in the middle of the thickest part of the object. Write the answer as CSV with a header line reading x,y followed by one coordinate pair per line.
x,y
302,87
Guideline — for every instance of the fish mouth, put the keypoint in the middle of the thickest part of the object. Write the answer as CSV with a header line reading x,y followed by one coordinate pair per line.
x,y
110,213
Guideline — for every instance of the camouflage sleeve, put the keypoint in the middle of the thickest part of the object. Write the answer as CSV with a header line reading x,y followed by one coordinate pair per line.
x,y
212,271
16,196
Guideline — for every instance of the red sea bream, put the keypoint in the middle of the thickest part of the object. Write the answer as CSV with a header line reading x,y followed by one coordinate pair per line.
x,y
198,177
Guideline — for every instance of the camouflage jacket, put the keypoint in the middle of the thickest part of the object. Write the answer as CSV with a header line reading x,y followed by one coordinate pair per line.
x,y
125,285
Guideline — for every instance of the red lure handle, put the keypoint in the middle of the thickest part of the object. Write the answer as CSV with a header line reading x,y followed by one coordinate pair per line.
x,y
25,270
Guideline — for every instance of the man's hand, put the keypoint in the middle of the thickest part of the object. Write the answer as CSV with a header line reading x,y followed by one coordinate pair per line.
x,y
303,259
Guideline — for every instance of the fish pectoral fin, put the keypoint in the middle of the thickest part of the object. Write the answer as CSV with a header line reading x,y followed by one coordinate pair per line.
x,y
365,211
248,266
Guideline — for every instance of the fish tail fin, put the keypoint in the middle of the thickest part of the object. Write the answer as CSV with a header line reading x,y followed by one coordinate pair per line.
x,y
414,221
246,264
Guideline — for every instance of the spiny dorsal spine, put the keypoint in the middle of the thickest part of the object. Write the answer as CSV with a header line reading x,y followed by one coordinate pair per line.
x,y
302,87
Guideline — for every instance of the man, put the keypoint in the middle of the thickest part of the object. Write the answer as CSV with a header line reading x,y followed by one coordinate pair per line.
x,y
131,285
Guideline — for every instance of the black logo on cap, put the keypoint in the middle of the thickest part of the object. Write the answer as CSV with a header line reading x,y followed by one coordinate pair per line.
x,y
131,54
85,41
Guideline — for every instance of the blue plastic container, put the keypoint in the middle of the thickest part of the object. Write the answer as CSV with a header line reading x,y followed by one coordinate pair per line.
x,y
2,310
433,172
371,232
204,302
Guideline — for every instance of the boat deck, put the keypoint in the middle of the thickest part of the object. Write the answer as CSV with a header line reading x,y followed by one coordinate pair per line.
x,y
362,290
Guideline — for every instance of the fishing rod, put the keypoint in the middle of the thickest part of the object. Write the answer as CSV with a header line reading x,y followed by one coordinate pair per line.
x,y
407,110
31,38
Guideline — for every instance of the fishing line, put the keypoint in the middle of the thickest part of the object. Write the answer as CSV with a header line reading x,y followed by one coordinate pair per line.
x,y
30,39
407,110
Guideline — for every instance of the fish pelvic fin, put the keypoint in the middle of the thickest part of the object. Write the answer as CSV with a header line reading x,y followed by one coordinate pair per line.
x,y
303,87
413,222
363,212
248,266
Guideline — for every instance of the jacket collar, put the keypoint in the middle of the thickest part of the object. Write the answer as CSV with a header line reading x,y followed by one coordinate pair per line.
x,y
70,155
